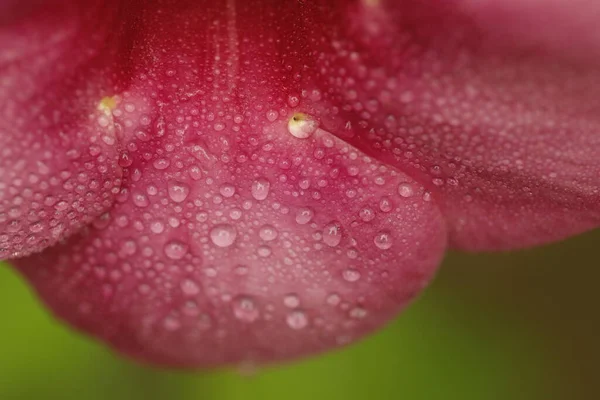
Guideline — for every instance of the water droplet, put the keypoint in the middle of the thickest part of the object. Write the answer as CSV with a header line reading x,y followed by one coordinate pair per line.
x,y
332,234
333,299
235,213
260,188
383,240
227,190
189,287
304,215
175,250
264,251
140,200
272,115
223,235
245,309
297,319
161,164
291,300
302,125
171,324
351,275
385,204
268,233
157,227
178,191
405,190
366,214
358,313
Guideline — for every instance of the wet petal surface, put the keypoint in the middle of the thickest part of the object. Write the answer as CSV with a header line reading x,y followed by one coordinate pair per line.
x,y
293,171
284,248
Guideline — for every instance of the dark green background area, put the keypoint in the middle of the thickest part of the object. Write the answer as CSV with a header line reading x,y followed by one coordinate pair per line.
x,y
523,325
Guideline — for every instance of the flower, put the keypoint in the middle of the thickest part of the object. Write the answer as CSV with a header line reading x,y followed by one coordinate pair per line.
x,y
199,183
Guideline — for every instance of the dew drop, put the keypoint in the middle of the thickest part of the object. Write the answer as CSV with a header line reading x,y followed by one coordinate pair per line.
x,y
332,234
175,250
227,190
245,309
140,200
189,287
366,214
383,240
264,251
223,235
297,319
268,233
405,190
293,101
272,115
358,313
333,299
304,215
178,191
260,188
171,324
291,300
385,204
351,275
157,227
302,125
161,164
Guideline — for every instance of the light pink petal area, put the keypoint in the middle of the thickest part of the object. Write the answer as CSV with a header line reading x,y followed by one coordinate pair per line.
x,y
58,142
505,132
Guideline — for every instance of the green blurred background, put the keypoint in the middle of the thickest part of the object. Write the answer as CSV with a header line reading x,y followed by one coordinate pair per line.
x,y
522,325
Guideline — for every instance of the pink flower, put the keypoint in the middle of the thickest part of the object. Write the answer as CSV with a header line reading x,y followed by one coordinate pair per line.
x,y
203,182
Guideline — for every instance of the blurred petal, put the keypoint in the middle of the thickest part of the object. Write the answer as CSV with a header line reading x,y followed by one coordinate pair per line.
x,y
58,153
504,132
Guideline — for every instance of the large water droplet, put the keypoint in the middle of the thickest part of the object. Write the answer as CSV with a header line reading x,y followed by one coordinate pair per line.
x,y
351,275
358,313
405,190
178,191
291,300
227,190
302,125
304,215
171,324
332,234
297,319
383,240
140,200
333,299
245,309
260,188
175,250
385,204
268,233
223,235
189,287
366,214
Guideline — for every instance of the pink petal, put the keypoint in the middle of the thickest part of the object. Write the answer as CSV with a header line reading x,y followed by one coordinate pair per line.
x,y
442,124
503,132
58,155
280,247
